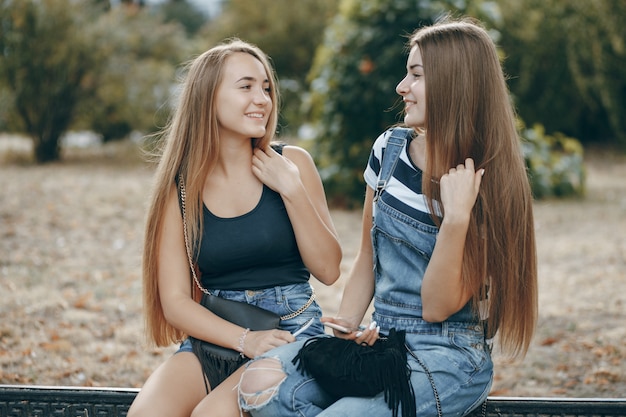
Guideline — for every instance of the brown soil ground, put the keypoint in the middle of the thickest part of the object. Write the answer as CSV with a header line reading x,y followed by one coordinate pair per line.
x,y
70,287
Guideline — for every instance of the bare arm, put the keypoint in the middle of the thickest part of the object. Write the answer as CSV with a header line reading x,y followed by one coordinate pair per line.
x,y
296,179
443,292
359,289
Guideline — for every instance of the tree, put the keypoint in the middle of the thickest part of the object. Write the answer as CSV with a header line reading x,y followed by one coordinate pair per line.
x,y
45,62
185,13
140,57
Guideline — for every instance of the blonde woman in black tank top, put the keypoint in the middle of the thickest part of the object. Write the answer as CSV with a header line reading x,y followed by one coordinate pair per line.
x,y
268,208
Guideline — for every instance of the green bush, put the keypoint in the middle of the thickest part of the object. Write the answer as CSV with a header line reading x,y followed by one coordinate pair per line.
x,y
566,61
554,162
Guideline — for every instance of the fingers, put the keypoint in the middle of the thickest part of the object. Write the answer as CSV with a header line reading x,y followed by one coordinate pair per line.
x,y
459,189
468,165
478,175
265,340
478,178
467,168
262,156
369,335
279,337
286,336
259,156
264,153
341,327
362,335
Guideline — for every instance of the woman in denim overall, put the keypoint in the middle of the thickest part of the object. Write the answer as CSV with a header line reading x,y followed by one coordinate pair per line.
x,y
448,250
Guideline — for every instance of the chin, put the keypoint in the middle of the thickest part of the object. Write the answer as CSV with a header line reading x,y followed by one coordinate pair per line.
x,y
411,122
258,133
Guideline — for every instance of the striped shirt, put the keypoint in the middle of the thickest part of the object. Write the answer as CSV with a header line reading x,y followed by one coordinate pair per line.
x,y
403,191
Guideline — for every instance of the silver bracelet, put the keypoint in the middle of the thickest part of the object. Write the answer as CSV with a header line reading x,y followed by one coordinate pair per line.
x,y
242,339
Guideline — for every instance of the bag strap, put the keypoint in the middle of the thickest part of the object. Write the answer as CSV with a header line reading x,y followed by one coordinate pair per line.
x,y
430,379
183,195
392,150
183,198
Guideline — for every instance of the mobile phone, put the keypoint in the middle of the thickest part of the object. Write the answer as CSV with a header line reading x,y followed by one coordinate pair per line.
x,y
339,327
302,328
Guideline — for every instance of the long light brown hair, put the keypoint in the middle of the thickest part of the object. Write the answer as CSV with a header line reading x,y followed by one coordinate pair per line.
x,y
469,114
189,148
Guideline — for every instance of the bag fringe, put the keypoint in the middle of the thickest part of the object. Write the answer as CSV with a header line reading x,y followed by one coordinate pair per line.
x,y
215,368
346,369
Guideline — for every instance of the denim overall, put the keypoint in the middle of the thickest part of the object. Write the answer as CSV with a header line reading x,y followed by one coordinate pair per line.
x,y
450,362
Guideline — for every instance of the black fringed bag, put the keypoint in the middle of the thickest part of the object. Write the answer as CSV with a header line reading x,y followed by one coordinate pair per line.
x,y
344,368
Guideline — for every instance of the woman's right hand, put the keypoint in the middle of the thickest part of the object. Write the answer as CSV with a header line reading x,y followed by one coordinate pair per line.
x,y
258,342
360,334
367,336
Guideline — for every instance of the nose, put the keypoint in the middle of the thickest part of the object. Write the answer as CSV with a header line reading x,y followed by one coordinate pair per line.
x,y
402,88
262,97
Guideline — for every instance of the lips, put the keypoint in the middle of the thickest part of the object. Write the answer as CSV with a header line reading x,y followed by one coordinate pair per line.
x,y
408,103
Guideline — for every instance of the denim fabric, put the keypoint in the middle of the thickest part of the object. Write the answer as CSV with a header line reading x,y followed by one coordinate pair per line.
x,y
281,300
454,352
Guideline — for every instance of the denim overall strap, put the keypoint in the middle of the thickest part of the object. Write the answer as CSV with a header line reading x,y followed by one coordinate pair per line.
x,y
393,148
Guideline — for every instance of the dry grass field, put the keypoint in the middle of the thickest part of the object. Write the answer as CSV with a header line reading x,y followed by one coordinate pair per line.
x,y
70,287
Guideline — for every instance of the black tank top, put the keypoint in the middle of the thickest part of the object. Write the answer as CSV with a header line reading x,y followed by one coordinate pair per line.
x,y
253,251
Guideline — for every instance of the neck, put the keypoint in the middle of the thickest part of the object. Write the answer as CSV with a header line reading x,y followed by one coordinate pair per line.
x,y
417,151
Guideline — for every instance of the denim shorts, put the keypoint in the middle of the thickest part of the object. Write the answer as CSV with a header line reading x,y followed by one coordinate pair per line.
x,y
282,300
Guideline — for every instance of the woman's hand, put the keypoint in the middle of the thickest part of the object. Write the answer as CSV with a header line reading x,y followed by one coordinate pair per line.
x,y
275,171
258,342
360,334
459,189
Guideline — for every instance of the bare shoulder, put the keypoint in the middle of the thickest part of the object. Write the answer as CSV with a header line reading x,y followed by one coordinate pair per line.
x,y
298,155
304,161
296,151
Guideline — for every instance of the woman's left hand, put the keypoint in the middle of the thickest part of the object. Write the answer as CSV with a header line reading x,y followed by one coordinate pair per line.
x,y
459,189
275,171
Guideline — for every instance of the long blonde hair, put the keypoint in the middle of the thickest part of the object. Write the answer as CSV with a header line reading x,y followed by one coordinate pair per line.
x,y
469,114
189,148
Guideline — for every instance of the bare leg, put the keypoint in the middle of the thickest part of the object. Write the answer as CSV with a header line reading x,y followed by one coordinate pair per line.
x,y
173,390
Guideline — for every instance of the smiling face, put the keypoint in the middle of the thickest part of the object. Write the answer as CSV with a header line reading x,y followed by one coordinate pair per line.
x,y
412,88
243,97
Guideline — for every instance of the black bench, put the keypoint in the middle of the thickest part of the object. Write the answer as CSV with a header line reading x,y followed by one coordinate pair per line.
x,y
41,401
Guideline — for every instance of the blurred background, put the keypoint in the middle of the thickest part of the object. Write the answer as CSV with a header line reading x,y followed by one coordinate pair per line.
x,y
85,83
109,68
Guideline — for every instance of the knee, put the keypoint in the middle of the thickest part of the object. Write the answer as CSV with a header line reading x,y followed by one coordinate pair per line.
x,y
260,382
